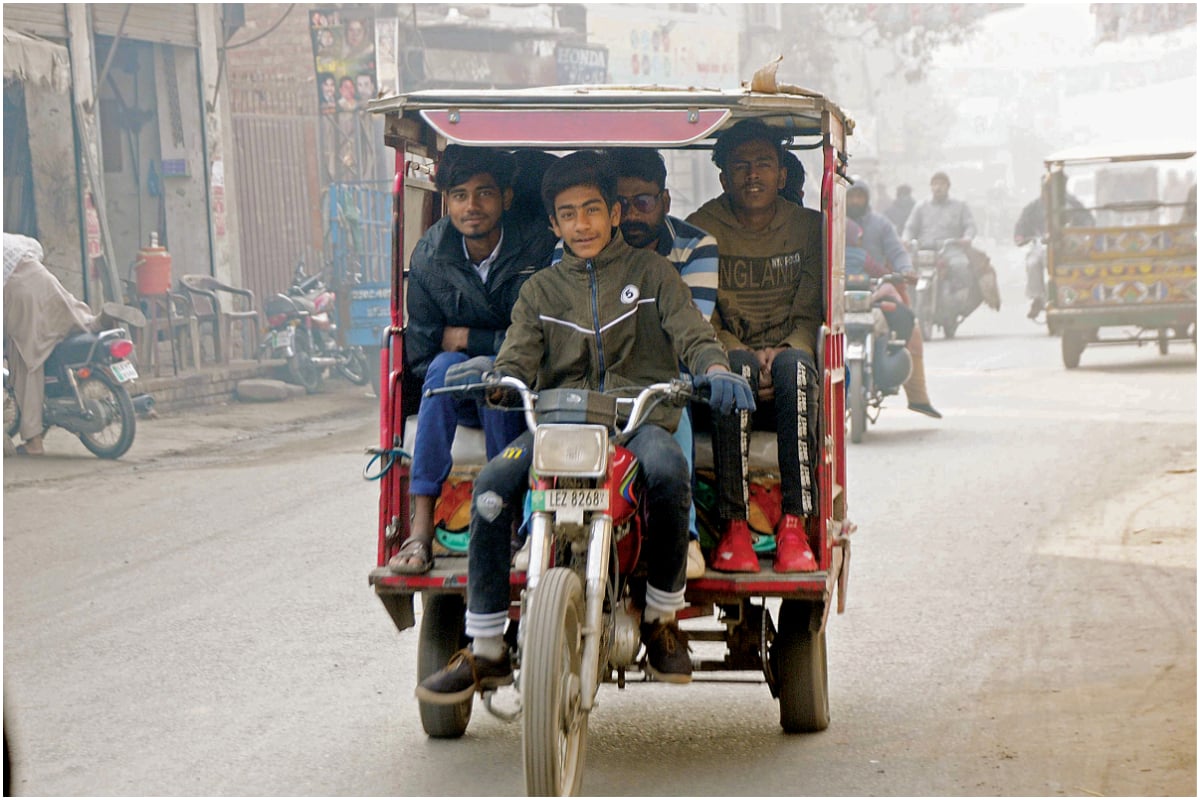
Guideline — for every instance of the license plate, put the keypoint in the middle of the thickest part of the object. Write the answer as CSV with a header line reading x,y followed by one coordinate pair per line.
x,y
570,500
282,338
860,318
124,371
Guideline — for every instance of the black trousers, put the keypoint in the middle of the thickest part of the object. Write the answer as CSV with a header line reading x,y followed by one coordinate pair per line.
x,y
793,416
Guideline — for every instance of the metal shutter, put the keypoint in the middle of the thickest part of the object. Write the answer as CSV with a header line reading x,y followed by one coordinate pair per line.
x,y
170,24
48,20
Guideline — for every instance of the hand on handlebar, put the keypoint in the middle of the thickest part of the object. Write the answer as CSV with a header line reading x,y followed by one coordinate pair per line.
x,y
727,391
468,372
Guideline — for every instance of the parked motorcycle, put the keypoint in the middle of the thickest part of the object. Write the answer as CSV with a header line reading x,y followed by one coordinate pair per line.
x,y
301,330
85,392
938,300
877,364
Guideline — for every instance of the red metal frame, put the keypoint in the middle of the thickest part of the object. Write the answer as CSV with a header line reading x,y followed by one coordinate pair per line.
x,y
831,469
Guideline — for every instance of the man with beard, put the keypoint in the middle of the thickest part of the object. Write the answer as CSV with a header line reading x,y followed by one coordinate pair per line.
x,y
465,274
645,224
880,241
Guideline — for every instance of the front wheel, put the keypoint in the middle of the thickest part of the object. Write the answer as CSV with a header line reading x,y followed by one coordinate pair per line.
x,y
554,723
950,328
12,412
442,636
115,438
355,368
858,402
801,673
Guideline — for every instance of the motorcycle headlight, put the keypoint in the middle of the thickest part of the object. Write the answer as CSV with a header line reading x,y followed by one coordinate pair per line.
x,y
858,301
571,451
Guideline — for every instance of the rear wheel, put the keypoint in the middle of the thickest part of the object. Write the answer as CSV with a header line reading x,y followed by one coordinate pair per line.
x,y
950,328
801,673
441,637
554,723
858,402
1073,345
301,369
113,401
1163,347
355,368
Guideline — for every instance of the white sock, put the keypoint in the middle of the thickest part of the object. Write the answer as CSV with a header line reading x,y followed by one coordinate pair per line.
x,y
490,647
661,605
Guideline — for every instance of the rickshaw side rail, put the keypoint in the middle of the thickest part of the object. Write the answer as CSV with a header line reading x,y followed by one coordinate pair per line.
x,y
714,587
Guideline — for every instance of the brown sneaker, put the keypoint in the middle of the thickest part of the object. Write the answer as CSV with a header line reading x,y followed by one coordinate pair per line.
x,y
466,674
667,655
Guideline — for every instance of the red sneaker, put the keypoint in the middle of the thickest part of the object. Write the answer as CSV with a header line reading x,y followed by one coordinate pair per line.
x,y
792,553
735,553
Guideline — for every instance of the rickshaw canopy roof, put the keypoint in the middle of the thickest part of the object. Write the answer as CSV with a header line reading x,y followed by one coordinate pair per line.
x,y
570,117
1124,151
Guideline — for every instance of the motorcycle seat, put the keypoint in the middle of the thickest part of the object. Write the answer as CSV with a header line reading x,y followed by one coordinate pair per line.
x,y
75,349
304,304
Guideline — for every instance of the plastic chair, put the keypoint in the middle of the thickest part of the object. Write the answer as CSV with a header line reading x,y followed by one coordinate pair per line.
x,y
220,306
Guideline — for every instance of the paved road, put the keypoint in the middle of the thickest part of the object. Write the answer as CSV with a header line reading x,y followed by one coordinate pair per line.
x,y
195,619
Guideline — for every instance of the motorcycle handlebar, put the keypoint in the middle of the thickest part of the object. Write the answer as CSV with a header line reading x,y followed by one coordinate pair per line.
x,y
678,391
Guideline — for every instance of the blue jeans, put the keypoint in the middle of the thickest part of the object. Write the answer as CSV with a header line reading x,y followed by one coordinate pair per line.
x,y
683,437
499,499
436,420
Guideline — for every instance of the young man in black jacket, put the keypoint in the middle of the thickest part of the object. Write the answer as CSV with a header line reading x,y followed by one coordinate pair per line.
x,y
465,275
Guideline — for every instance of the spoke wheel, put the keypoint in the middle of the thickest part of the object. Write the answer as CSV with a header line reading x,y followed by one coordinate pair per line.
x,y
115,438
355,367
12,414
858,402
555,726
301,369
801,673
441,636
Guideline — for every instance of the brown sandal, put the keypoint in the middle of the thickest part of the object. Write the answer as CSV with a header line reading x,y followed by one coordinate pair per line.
x,y
415,557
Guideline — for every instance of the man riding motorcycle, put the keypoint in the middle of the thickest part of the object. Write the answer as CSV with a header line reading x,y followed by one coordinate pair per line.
x,y
39,313
883,247
940,220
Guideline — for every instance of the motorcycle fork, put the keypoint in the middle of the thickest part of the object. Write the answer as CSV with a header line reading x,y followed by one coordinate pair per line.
x,y
595,585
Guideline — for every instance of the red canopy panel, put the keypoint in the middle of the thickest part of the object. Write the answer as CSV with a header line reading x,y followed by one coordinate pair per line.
x,y
570,129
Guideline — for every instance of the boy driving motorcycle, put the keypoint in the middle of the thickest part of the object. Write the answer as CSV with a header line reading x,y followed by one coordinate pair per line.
x,y
608,317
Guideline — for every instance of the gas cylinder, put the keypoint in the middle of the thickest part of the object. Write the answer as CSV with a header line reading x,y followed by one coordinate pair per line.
x,y
153,267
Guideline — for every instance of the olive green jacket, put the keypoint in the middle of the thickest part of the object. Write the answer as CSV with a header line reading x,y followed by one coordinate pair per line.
x,y
769,289
615,323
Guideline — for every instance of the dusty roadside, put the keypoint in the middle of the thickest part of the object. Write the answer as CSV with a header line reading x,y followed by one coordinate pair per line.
x,y
206,430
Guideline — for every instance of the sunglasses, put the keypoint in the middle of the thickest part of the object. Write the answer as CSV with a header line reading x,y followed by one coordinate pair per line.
x,y
644,203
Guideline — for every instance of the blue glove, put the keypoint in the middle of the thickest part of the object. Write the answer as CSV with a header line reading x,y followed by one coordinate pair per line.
x,y
727,391
469,371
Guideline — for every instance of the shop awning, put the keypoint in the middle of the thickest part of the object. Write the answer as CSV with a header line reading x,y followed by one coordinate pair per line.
x,y
37,62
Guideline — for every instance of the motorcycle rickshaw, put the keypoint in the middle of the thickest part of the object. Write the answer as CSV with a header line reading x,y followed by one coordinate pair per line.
x,y
1121,247
573,626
